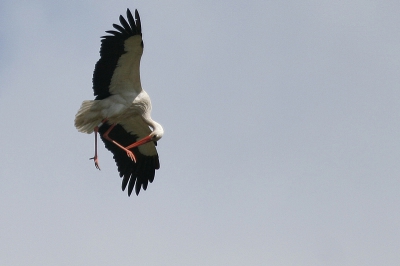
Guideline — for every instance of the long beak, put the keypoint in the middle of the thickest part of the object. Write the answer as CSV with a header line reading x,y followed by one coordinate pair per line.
x,y
139,142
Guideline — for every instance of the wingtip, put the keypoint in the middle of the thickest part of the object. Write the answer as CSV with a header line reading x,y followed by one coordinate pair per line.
x,y
128,12
138,22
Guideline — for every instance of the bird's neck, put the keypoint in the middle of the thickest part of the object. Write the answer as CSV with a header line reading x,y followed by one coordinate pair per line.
x,y
154,125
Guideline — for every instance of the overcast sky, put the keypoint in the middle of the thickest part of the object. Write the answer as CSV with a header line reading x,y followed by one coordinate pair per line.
x,y
281,145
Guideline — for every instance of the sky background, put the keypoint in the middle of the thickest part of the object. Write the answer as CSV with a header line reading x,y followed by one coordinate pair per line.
x,y
281,142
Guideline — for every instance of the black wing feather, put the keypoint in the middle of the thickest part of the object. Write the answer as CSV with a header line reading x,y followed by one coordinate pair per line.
x,y
112,47
135,175
123,31
115,33
138,23
132,22
125,25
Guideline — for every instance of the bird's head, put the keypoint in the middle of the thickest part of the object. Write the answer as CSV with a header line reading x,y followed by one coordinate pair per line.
x,y
157,134
158,130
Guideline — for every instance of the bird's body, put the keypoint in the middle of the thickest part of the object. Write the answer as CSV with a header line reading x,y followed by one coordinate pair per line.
x,y
121,111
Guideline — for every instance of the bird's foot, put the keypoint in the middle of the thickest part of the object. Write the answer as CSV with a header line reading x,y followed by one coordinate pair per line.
x,y
131,155
96,162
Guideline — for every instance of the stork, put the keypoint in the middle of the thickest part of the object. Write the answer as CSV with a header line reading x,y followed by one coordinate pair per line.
x,y
121,110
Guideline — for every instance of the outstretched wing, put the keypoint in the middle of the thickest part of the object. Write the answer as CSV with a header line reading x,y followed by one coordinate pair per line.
x,y
135,175
113,46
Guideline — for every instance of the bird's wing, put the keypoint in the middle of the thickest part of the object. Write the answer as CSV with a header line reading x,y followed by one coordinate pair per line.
x,y
126,37
135,175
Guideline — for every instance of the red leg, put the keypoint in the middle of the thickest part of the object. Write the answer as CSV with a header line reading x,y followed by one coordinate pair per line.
x,y
128,152
139,142
96,130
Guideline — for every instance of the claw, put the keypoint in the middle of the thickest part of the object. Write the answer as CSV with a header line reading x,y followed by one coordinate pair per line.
x,y
131,155
96,162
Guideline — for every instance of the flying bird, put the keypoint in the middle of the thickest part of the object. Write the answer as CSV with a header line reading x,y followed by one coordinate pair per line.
x,y
121,110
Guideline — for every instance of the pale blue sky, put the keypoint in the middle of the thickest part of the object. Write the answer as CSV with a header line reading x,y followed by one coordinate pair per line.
x,y
281,142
